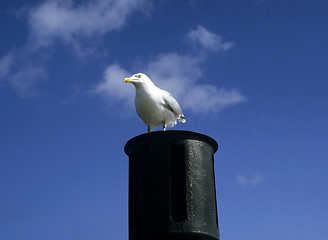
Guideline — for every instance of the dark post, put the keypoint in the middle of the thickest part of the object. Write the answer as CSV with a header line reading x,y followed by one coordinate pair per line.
x,y
172,186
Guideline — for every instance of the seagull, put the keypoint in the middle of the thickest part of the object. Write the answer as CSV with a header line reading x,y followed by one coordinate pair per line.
x,y
155,106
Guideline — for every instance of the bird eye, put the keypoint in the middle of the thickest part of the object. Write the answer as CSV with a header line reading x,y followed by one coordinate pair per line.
x,y
139,76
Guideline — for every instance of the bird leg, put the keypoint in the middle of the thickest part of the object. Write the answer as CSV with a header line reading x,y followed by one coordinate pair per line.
x,y
164,126
149,129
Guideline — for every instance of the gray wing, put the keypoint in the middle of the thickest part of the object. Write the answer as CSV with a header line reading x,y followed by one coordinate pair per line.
x,y
171,104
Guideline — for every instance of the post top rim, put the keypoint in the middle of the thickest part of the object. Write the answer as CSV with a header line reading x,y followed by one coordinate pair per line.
x,y
178,134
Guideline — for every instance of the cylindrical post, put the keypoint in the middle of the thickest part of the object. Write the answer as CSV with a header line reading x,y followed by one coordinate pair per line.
x,y
172,186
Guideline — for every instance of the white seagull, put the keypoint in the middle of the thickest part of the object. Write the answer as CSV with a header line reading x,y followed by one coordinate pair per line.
x,y
155,106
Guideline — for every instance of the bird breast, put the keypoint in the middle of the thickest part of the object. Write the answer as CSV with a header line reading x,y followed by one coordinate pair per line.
x,y
150,107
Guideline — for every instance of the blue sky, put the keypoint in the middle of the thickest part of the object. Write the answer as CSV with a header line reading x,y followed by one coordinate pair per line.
x,y
250,74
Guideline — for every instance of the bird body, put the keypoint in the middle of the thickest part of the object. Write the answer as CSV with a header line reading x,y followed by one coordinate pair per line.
x,y
155,106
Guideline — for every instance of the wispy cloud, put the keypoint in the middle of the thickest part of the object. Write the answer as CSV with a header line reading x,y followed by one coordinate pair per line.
x,y
20,72
249,181
209,40
69,22
61,21
179,74
112,87
25,78
5,64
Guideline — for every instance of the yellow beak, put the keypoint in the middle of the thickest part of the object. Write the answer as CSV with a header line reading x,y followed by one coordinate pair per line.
x,y
127,80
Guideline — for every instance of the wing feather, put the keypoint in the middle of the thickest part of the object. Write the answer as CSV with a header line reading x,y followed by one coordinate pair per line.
x,y
172,105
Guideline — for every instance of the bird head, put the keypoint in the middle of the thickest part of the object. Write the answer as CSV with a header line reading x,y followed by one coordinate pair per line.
x,y
138,79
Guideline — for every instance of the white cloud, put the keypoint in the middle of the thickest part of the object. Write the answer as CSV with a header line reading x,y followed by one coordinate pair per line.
x,y
113,89
25,78
175,72
251,181
69,22
20,72
64,20
180,75
5,64
209,98
209,40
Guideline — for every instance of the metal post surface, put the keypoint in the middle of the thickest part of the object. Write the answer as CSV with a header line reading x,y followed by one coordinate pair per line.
x,y
172,186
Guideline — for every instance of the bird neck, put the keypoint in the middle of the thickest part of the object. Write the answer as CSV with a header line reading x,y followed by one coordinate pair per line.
x,y
146,89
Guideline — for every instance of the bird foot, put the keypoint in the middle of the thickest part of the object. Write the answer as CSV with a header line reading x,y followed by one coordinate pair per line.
x,y
164,126
149,129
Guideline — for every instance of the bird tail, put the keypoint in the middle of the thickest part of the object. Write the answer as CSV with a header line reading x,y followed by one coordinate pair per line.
x,y
182,118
